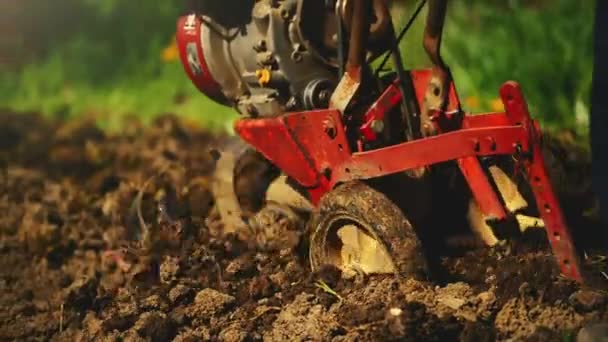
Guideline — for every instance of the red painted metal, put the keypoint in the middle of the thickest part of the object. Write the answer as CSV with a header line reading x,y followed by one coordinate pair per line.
x,y
428,151
272,138
421,79
392,96
190,48
487,199
547,202
306,154
485,120
387,101
319,158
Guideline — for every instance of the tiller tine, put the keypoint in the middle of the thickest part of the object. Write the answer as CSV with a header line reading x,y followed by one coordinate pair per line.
x,y
487,207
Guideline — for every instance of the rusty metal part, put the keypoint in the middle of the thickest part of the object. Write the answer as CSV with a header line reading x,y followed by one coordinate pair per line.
x,y
378,29
387,101
351,80
320,23
359,34
437,92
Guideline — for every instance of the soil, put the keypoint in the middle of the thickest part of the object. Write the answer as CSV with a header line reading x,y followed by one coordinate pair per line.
x,y
111,237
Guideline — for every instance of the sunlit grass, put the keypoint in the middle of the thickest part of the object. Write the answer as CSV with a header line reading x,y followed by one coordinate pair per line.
x,y
127,64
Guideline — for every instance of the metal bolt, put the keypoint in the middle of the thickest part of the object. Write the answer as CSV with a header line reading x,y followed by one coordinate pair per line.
x,y
324,96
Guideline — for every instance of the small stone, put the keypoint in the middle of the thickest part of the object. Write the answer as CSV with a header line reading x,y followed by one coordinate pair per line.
x,y
395,311
587,300
209,302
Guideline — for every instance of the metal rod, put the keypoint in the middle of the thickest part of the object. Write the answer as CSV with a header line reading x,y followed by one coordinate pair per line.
x,y
340,34
360,24
402,34
408,100
433,31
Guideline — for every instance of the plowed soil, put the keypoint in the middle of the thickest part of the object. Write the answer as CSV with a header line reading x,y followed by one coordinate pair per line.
x,y
108,237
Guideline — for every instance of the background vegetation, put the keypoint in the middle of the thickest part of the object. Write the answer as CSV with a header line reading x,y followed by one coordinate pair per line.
x,y
112,58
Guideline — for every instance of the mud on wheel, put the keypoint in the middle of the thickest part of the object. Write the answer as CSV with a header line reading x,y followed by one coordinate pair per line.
x,y
360,230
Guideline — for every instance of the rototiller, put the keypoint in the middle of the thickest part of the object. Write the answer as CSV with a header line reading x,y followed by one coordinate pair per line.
x,y
366,146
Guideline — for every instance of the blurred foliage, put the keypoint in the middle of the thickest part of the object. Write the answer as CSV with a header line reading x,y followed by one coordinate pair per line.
x,y
113,58
547,46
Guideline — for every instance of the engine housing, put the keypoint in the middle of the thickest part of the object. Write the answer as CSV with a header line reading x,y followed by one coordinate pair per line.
x,y
277,56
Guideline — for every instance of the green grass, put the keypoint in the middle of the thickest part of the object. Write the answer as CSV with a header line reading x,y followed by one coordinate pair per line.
x,y
106,60
110,104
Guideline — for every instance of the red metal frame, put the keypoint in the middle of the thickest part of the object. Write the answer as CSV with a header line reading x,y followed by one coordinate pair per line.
x,y
298,143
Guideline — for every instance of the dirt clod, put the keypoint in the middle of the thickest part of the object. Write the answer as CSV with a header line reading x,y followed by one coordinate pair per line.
x,y
209,302
181,294
83,211
587,300
303,319
156,326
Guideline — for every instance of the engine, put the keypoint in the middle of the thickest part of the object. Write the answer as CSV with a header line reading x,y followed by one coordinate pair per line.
x,y
267,57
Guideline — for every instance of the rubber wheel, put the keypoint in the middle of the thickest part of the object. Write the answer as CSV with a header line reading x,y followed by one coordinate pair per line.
x,y
385,238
